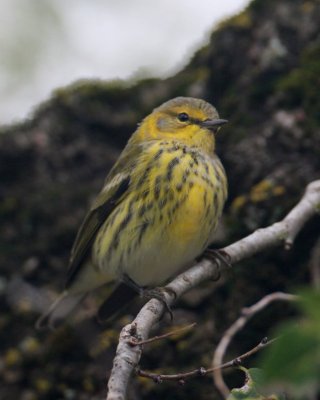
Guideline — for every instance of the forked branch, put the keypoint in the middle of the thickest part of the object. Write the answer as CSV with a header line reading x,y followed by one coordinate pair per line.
x,y
247,314
182,377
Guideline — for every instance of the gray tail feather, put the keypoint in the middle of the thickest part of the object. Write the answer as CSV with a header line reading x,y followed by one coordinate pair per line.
x,y
118,299
58,310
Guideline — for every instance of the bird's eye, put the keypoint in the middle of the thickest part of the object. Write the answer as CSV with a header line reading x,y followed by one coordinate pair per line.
x,y
183,117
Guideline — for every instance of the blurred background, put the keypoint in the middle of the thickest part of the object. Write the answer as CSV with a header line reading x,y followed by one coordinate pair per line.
x,y
75,79
47,44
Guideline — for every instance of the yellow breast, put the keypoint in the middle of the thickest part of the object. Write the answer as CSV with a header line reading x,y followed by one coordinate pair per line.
x,y
199,203
167,219
190,218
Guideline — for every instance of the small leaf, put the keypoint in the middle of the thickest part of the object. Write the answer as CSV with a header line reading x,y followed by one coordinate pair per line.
x,y
251,390
293,361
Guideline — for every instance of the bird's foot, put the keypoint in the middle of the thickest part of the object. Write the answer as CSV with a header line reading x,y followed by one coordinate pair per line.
x,y
155,293
220,257
159,294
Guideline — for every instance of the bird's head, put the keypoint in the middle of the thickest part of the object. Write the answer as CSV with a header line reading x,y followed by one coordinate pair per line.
x,y
185,119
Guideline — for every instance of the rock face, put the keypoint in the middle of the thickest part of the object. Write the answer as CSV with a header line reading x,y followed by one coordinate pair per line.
x,y
261,70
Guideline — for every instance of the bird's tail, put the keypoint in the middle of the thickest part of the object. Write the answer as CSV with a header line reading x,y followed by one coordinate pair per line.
x,y
120,297
58,310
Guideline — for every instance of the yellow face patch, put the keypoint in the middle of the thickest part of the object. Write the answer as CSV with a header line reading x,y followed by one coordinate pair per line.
x,y
168,125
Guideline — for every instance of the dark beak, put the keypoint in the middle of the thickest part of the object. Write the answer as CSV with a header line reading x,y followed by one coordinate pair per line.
x,y
213,124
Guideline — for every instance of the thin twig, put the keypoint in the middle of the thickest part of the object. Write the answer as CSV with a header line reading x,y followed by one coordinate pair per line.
x,y
182,377
135,342
246,314
127,357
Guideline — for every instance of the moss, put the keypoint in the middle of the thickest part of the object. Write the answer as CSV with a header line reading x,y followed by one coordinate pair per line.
x,y
12,357
301,86
308,6
42,385
243,20
261,192
265,85
92,89
238,203
260,6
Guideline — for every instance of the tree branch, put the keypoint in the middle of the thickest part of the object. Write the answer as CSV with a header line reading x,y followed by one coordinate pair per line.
x,y
182,377
135,342
127,357
247,314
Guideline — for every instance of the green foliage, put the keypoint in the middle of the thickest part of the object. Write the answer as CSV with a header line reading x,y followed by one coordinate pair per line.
x,y
253,387
293,361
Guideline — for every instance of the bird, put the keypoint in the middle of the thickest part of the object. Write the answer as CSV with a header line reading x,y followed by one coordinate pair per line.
x,y
157,211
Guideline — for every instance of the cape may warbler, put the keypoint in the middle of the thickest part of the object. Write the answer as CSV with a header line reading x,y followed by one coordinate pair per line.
x,y
157,211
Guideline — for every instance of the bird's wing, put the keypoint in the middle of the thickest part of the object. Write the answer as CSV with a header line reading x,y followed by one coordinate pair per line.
x,y
115,189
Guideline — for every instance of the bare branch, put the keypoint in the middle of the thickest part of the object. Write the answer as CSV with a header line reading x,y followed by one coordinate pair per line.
x,y
182,377
127,357
135,342
247,314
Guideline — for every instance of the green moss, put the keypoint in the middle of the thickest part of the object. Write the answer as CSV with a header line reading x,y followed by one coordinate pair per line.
x,y
242,20
88,89
301,85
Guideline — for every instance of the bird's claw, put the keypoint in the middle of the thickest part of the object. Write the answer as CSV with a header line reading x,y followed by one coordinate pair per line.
x,y
159,294
219,257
